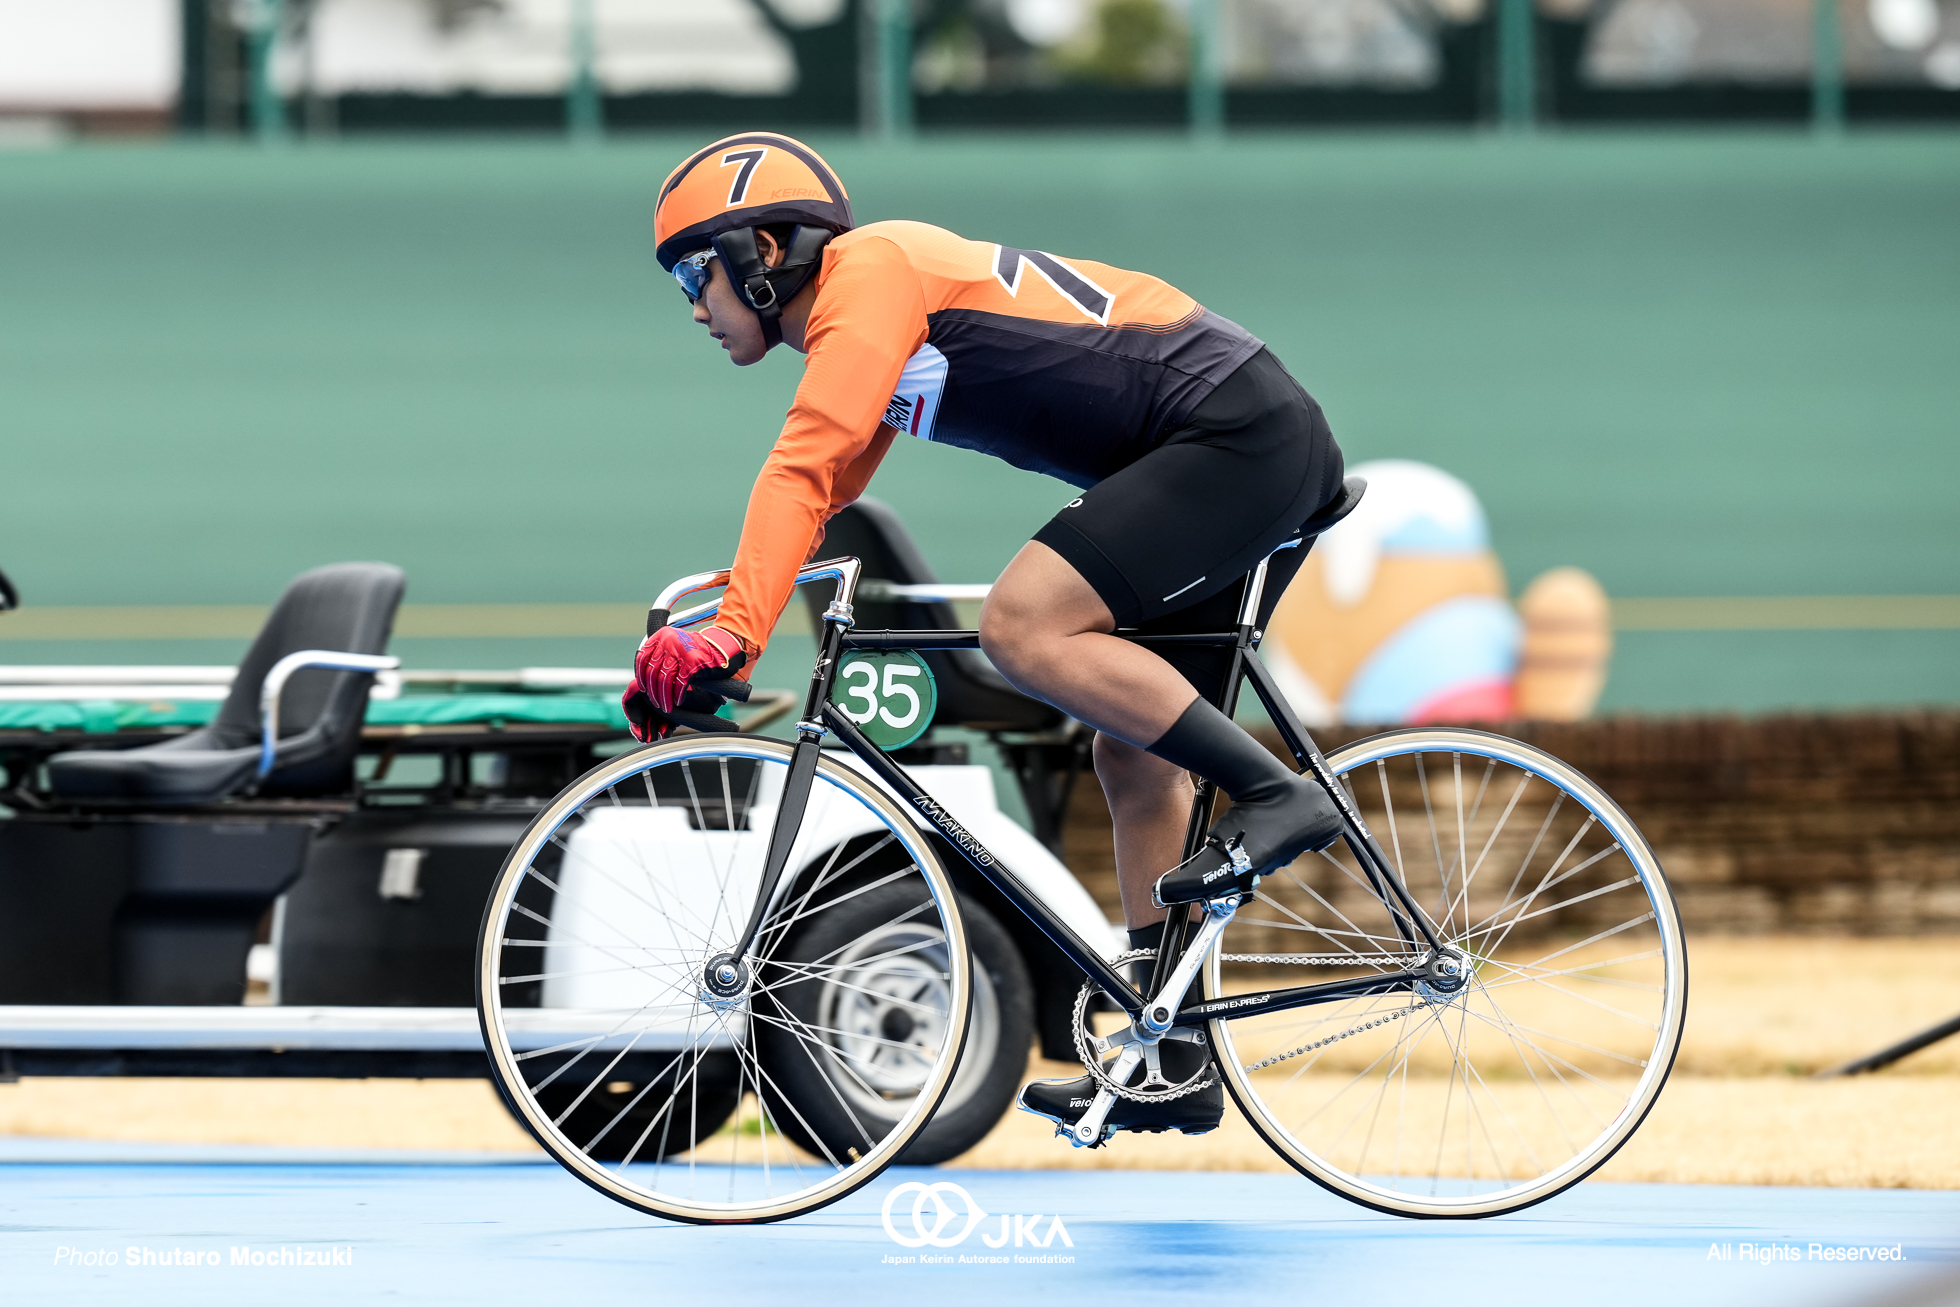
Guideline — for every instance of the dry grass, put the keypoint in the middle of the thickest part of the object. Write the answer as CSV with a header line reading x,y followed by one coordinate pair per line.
x,y
1794,1005
461,1114
1738,1109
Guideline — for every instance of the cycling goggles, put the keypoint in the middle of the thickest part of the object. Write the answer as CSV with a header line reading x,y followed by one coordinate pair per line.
x,y
692,273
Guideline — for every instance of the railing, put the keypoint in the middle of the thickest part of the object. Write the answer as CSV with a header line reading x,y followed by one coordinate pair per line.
x,y
1207,64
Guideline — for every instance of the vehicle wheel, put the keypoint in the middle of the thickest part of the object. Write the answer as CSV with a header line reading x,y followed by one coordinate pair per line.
x,y
594,952
1471,1096
609,1119
874,992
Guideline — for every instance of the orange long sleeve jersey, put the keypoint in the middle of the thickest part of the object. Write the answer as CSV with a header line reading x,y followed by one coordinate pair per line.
x,y
1060,366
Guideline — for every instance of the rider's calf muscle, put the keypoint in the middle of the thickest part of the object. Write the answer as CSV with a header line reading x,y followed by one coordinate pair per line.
x,y
1149,805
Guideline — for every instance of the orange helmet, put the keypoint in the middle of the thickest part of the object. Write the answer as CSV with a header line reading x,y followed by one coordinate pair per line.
x,y
723,193
753,179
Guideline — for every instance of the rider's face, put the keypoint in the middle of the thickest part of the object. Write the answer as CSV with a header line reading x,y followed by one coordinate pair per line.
x,y
730,321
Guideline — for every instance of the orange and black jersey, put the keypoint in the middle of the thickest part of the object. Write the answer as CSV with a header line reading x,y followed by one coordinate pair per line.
x,y
1061,366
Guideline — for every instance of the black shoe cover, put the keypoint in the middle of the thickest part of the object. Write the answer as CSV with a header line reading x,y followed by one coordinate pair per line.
x,y
1254,839
1276,815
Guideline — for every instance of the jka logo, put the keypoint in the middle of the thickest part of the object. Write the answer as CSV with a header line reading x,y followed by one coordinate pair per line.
x,y
943,1215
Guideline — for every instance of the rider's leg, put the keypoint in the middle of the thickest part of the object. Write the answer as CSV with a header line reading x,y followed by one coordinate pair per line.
x,y
1159,547
1149,804
1048,631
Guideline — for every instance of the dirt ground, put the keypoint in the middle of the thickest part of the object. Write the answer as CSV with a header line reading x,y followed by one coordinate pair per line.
x,y
1740,1108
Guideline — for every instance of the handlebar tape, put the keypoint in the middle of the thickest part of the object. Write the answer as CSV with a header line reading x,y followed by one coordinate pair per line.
x,y
731,688
701,721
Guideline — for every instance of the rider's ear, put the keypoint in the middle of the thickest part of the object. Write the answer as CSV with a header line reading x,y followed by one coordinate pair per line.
x,y
766,246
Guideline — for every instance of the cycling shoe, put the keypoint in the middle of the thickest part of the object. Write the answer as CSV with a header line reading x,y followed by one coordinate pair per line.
x,y
1196,1113
1254,838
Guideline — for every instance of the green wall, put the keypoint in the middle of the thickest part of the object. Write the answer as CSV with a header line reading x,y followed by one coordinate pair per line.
x,y
1696,365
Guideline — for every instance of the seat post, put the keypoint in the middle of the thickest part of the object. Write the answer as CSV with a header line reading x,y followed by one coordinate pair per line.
x,y
1255,587
1255,590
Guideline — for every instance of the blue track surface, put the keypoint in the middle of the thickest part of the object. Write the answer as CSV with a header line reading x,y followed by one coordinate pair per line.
x,y
497,1233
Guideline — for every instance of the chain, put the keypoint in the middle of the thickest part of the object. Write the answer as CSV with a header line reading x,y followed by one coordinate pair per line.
x,y
1093,1064
1324,959
1335,1039
1203,1081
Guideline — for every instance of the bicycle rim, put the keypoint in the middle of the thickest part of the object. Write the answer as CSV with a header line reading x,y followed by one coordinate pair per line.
x,y
1532,1074
604,1040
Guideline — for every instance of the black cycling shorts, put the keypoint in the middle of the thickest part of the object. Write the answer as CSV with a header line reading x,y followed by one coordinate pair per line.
x,y
1167,540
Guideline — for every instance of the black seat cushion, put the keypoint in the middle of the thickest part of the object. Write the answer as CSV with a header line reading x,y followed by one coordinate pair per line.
x,y
347,608
188,770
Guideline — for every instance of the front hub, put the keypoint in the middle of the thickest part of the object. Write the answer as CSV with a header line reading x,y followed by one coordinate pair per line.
x,y
724,981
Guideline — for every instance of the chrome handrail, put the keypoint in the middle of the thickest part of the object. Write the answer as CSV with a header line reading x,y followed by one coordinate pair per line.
x,y
275,682
923,592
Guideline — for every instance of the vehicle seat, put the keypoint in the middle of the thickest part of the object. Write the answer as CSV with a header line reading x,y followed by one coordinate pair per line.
x,y
345,607
971,693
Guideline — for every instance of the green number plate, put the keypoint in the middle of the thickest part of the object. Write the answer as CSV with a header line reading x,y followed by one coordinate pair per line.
x,y
889,693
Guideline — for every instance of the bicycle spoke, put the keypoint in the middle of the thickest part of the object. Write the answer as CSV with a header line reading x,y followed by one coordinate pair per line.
x,y
1516,1082
684,1101
1463,894
1591,1002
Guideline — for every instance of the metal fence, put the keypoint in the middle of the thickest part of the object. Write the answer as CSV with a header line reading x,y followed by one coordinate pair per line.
x,y
895,66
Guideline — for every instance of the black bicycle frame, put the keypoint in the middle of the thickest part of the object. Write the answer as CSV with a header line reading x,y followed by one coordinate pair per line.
x,y
821,715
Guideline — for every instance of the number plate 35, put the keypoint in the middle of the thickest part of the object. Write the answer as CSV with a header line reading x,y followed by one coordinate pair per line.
x,y
888,693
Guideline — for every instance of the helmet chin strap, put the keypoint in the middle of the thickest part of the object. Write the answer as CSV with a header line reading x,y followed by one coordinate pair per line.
x,y
766,289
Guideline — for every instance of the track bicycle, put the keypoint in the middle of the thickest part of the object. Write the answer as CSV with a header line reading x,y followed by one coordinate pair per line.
x,y
1462,1008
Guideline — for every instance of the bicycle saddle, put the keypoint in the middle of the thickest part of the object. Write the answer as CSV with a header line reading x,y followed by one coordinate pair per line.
x,y
1344,503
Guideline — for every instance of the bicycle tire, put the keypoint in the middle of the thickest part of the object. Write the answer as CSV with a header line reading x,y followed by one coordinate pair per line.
x,y
1512,1086
687,854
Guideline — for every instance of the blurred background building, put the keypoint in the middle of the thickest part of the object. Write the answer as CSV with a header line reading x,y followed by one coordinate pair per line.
x,y
375,65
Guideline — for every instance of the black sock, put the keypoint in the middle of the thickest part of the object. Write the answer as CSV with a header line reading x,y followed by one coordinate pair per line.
x,y
1206,741
1145,937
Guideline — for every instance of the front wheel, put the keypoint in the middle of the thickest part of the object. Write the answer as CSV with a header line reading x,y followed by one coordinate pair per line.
x,y
1473,1097
646,1083
869,984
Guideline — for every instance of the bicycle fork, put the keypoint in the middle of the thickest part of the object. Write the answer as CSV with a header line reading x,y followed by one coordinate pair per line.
x,y
726,975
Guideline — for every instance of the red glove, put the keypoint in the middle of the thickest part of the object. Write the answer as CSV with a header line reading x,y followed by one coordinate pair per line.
x,y
664,672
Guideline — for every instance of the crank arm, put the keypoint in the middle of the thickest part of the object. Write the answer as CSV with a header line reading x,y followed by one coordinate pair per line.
x,y
1088,1131
1125,1036
1161,1013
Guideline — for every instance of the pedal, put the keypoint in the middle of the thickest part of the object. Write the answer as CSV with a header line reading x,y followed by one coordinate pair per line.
x,y
1088,1131
1063,1132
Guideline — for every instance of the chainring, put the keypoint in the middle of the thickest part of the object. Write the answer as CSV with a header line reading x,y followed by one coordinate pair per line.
x,y
1085,1040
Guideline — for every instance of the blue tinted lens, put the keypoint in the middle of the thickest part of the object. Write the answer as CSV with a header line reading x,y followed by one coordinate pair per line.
x,y
692,276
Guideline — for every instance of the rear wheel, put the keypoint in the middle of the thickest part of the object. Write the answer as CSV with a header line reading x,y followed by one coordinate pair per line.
x,y
602,1033
1460,1098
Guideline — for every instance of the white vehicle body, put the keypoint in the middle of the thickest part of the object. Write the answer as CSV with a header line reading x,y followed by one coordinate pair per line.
x,y
626,868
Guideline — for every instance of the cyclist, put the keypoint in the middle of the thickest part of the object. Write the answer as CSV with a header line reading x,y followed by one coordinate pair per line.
x,y
1196,452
